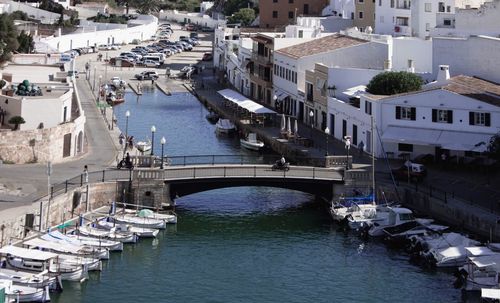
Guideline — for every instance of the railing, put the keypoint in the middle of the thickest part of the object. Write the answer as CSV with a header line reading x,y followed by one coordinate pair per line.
x,y
261,59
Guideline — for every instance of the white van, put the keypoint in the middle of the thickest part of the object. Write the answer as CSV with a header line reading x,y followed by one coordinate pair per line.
x,y
161,56
152,58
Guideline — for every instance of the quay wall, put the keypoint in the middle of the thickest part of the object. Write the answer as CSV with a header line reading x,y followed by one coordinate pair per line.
x,y
16,222
458,214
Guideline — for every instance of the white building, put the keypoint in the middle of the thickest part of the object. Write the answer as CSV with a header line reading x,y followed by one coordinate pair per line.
x,y
415,18
484,20
340,8
294,92
315,27
456,116
200,19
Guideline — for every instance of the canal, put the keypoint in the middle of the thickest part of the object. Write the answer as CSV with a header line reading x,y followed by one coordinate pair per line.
x,y
246,244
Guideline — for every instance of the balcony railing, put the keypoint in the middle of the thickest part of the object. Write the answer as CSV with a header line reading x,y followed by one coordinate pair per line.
x,y
261,59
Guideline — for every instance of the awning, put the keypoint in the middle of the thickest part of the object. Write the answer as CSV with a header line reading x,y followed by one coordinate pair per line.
x,y
355,91
452,140
33,254
244,102
411,135
280,94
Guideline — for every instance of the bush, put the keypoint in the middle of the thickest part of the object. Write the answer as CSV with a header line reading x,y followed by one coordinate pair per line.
x,y
391,83
16,120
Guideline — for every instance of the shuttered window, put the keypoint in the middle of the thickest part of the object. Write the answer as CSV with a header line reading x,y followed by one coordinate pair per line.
x,y
442,116
406,113
479,119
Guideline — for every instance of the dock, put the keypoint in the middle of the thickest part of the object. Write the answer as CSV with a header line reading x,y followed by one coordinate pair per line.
x,y
164,89
136,88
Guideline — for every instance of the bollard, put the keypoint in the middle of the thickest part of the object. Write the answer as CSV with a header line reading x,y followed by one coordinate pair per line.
x,y
103,172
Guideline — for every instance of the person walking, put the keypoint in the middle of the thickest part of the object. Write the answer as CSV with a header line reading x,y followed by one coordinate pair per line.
x,y
86,174
361,147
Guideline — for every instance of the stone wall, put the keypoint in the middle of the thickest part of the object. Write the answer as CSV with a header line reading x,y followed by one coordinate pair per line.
x,y
12,225
39,145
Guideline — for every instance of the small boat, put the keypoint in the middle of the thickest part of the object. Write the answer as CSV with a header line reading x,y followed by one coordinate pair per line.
x,y
92,264
396,216
24,278
345,206
139,231
82,240
143,146
59,246
456,256
33,260
224,126
212,117
251,142
113,234
398,236
479,272
140,221
148,213
18,293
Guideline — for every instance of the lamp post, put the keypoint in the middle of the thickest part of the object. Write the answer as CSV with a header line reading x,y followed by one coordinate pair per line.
x,y
153,130
311,118
162,141
99,89
327,134
347,147
127,114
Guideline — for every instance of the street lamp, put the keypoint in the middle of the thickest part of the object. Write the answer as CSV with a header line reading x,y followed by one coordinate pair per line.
x,y
127,114
99,89
327,133
347,147
162,141
153,130
311,118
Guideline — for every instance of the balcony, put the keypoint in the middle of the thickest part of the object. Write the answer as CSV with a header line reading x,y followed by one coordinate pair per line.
x,y
265,82
261,59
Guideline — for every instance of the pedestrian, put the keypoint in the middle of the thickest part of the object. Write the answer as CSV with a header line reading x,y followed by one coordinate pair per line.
x,y
86,174
152,81
121,138
361,147
444,158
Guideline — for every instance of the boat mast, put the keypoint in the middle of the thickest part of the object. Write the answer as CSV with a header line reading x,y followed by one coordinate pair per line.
x,y
373,162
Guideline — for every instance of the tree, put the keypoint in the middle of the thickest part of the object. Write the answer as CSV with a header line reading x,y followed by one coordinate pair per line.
x,y
16,120
19,15
494,147
8,37
51,6
390,83
245,16
26,44
233,6
146,6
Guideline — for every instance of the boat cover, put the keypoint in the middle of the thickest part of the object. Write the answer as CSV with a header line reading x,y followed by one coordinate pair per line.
x,y
33,254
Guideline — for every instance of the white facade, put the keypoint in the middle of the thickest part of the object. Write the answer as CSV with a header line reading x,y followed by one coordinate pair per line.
x,y
340,8
194,18
415,18
430,121
315,27
205,5
466,22
475,56
45,17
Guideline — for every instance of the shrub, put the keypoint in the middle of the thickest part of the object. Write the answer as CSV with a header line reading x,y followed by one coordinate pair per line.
x,y
391,83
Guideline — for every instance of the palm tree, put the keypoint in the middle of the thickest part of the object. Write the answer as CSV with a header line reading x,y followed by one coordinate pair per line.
x,y
145,6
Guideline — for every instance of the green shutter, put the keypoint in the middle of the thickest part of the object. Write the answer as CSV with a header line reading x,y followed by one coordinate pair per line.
x,y
471,118
487,119
398,112
450,116
434,115
413,113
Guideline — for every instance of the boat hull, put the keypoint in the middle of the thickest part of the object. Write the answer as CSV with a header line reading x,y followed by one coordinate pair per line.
x,y
252,145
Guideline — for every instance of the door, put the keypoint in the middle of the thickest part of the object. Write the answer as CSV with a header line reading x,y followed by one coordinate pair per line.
x,y
67,146
301,111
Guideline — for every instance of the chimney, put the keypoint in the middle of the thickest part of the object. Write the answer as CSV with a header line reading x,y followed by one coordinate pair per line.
x,y
411,66
443,74
387,64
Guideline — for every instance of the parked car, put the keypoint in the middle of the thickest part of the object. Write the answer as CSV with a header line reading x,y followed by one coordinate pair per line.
x,y
116,81
410,171
150,63
147,75
190,27
193,35
207,57
207,29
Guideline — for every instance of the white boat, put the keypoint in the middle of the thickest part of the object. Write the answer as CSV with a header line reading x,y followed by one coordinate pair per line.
x,y
92,264
224,126
439,241
139,231
30,279
143,146
34,260
124,237
19,293
82,240
480,272
147,213
456,256
396,216
140,222
251,142
62,247
365,215
345,206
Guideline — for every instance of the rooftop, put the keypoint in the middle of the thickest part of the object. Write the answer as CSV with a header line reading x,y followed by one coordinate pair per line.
x,y
321,45
33,73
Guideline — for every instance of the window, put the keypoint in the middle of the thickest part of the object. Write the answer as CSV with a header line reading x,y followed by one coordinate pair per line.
x,y
480,119
402,21
332,125
309,90
448,9
379,2
442,116
301,34
368,107
447,22
428,7
290,15
344,128
290,1
406,113
427,27
361,1
360,14
441,7
275,14
275,1
354,134
306,9
392,3
275,68
403,147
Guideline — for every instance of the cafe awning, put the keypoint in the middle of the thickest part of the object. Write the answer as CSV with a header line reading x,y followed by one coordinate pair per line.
x,y
244,102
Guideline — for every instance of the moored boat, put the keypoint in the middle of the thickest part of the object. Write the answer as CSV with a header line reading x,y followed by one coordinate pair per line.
x,y
140,221
113,234
30,279
139,231
251,142
225,126
83,240
19,293
143,146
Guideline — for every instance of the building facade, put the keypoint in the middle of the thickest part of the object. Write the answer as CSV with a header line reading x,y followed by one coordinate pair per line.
x,y
364,16
278,13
